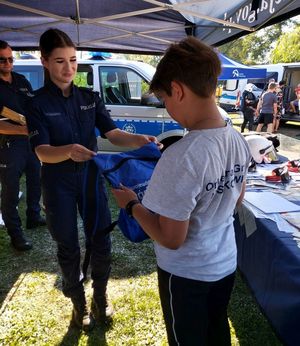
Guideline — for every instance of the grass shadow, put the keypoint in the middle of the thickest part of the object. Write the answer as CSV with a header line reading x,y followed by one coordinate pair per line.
x,y
249,325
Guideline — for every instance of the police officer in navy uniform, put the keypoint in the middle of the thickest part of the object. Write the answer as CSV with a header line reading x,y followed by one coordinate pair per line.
x,y
62,120
16,155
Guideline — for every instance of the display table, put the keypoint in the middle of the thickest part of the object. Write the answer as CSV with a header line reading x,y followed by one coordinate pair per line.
x,y
269,260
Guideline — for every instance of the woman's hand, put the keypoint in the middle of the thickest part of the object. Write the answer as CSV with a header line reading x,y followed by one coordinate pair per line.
x,y
125,139
123,195
79,153
145,139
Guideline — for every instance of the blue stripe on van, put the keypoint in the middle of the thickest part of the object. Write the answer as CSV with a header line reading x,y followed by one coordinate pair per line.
x,y
148,127
229,97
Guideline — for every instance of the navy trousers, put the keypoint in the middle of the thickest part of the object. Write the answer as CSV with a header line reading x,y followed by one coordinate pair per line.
x,y
195,312
16,158
62,189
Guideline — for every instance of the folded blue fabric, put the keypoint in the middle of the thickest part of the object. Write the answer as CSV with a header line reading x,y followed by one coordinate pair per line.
x,y
132,169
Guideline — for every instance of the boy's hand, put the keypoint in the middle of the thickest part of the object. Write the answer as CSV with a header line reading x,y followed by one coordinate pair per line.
x,y
123,195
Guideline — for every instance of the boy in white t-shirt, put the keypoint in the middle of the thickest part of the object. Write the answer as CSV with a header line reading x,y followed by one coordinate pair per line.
x,y
188,207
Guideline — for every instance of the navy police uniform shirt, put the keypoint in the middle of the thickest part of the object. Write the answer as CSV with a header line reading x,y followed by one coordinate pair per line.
x,y
57,120
15,95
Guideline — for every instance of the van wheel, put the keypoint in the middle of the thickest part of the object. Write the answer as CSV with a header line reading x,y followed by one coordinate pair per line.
x,y
169,141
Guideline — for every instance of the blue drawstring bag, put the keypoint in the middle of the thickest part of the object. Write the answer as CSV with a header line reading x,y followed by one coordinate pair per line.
x,y
132,169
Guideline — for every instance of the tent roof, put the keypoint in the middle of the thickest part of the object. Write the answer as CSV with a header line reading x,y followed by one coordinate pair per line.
x,y
234,70
137,26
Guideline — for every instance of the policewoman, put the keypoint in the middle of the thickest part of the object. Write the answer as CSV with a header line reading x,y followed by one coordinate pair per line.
x,y
16,156
61,121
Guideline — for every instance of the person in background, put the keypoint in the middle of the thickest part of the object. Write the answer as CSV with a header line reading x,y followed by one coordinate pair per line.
x,y
188,206
248,107
271,80
280,107
267,108
16,156
295,104
61,120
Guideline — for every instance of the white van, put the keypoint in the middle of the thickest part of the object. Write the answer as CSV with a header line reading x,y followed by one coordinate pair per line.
x,y
123,86
232,90
290,72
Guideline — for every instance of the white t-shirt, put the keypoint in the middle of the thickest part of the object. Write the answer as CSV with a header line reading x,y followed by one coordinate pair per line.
x,y
200,178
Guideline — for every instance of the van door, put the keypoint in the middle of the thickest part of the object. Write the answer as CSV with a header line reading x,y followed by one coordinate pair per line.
x,y
122,89
292,77
231,93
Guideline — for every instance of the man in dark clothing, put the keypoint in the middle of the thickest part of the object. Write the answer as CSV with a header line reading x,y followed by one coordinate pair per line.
x,y
248,107
16,156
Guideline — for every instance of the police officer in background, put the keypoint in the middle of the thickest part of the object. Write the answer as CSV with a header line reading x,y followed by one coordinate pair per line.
x,y
16,156
61,120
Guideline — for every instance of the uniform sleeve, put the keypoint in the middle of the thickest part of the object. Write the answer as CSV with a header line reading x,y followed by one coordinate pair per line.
x,y
104,123
37,128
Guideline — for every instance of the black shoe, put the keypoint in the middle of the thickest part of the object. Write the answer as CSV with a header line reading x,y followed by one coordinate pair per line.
x,y
102,308
41,221
81,318
20,243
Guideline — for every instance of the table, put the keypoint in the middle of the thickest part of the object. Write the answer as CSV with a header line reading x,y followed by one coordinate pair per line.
x,y
270,262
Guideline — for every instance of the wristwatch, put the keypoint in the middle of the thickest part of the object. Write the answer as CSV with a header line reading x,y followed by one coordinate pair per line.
x,y
130,205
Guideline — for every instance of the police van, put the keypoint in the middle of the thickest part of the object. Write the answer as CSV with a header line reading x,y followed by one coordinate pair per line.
x,y
123,86
232,90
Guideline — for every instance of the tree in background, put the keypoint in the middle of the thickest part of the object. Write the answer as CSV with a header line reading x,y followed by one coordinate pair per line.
x,y
149,59
287,48
257,48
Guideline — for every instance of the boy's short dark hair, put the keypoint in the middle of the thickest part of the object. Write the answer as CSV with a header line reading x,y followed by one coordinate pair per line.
x,y
190,62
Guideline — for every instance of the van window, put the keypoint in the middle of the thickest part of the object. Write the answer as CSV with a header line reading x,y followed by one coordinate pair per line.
x,y
230,85
34,74
81,80
121,85
272,74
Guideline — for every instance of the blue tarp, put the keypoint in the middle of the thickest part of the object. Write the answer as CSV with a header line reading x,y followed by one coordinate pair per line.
x,y
234,70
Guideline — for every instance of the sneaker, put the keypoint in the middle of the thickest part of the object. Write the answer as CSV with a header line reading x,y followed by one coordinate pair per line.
x,y
41,221
102,308
20,243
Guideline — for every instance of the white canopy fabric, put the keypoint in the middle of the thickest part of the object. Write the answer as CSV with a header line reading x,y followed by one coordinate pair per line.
x,y
138,26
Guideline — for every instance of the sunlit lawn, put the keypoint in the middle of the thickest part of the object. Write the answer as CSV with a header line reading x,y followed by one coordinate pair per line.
x,y
34,311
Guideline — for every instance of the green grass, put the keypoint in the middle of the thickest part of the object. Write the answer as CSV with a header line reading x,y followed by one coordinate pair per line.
x,y
33,310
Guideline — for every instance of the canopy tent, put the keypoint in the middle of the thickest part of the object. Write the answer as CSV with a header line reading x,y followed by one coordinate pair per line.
x,y
234,70
138,26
